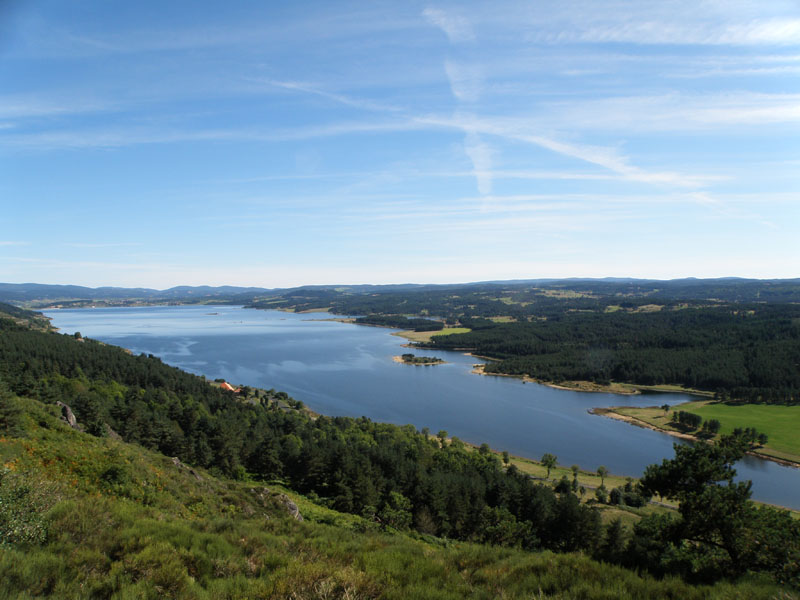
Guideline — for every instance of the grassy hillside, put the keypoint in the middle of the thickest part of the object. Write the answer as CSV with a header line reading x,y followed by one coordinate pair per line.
x,y
15,317
89,517
98,509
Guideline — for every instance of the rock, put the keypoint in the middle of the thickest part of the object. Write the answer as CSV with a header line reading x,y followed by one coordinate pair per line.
x,y
67,415
111,433
281,499
177,462
291,507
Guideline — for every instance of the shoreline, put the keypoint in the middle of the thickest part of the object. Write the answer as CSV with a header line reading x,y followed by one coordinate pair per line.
x,y
336,319
612,414
579,386
621,389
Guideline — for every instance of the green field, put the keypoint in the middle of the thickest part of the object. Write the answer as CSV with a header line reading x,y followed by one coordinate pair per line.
x,y
425,336
780,423
451,331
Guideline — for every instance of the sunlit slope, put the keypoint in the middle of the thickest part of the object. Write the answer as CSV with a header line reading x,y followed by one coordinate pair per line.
x,y
89,517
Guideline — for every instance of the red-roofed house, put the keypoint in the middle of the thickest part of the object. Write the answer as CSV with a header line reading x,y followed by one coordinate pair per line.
x,y
227,386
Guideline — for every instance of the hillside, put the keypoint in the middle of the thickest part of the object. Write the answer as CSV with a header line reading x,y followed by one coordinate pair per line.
x,y
159,491
88,517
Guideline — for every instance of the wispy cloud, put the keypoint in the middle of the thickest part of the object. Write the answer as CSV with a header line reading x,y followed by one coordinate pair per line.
x,y
771,32
466,84
13,243
223,31
29,105
102,245
308,88
606,157
675,111
466,81
481,156
678,22
456,28
122,137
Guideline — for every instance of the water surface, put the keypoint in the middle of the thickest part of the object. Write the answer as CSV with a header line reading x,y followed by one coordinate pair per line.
x,y
345,369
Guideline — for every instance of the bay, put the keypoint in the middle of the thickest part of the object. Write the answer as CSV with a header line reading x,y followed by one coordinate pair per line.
x,y
344,369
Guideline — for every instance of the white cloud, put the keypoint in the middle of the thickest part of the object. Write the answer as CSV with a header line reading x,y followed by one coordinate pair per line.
x,y
456,28
466,81
27,105
481,156
521,130
122,137
674,22
259,28
307,88
773,32
675,111
101,245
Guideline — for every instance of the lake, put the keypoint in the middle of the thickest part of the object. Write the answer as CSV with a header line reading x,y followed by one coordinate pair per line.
x,y
345,369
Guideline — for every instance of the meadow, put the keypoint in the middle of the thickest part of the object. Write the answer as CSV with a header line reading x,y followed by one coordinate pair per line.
x,y
779,422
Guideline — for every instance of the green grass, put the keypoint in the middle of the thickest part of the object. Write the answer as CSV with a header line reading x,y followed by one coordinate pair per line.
x,y
780,423
425,336
590,481
451,331
122,522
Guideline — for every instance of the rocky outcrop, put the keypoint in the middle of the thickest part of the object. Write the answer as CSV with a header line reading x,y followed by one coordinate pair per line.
x,y
177,462
111,433
290,506
282,500
67,415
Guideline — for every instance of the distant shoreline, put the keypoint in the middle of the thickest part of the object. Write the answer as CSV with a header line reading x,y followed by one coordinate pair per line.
x,y
622,389
570,386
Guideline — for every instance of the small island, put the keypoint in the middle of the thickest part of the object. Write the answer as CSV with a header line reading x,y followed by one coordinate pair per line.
x,y
411,359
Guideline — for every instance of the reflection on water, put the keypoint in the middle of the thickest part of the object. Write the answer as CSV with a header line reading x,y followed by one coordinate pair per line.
x,y
344,369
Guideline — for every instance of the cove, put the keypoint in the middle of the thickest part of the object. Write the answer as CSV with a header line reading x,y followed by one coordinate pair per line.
x,y
341,369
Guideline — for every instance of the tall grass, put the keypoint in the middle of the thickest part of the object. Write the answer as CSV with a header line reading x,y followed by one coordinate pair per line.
x,y
125,523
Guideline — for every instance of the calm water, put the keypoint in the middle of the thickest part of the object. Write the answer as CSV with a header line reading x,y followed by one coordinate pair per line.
x,y
345,369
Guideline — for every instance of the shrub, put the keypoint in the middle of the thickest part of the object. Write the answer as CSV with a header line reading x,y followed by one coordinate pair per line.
x,y
23,503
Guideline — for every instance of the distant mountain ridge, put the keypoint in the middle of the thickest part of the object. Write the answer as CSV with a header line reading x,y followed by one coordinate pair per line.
x,y
28,292
22,292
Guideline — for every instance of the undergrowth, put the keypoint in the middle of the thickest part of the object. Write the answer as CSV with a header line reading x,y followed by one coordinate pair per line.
x,y
87,517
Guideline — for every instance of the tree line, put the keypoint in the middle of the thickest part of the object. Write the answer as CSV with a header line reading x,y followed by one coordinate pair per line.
x,y
400,477
397,474
401,322
753,350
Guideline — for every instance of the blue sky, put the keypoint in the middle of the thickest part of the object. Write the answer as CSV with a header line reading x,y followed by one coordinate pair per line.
x,y
278,144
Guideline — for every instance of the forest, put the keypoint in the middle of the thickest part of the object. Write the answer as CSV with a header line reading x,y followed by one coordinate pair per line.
x,y
536,299
749,354
401,322
352,465
739,339
395,476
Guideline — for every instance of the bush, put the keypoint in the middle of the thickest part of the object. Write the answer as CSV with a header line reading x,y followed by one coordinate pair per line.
x,y
23,503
